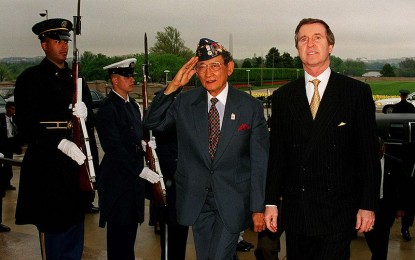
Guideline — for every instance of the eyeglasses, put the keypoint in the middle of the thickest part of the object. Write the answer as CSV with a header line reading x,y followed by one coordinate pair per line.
x,y
214,66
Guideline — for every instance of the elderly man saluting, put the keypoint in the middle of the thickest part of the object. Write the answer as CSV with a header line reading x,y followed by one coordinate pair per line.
x,y
222,151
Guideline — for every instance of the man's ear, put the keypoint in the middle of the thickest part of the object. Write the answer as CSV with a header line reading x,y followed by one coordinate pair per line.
x,y
44,45
230,66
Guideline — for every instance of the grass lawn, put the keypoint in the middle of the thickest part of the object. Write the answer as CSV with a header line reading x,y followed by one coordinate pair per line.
x,y
390,87
380,89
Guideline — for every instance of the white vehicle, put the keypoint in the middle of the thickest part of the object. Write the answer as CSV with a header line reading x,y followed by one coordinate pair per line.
x,y
386,105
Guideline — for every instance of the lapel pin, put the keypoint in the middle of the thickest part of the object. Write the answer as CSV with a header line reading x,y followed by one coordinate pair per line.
x,y
233,116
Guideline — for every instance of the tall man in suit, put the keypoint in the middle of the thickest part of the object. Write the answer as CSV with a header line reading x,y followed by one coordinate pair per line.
x,y
219,188
324,160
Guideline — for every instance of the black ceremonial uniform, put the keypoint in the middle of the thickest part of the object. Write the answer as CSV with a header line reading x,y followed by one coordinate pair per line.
x,y
49,194
403,107
121,190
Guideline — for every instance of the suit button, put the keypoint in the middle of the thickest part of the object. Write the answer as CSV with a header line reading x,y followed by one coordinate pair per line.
x,y
302,188
212,172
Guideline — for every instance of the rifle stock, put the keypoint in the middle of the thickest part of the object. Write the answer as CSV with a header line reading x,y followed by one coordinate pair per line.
x,y
159,190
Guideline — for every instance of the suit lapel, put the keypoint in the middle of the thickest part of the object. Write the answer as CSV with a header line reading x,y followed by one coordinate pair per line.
x,y
200,117
299,106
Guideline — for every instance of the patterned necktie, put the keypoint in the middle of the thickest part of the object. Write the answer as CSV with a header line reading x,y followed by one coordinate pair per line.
x,y
315,100
214,127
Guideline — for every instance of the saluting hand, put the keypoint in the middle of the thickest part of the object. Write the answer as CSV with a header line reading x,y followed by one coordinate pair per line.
x,y
183,76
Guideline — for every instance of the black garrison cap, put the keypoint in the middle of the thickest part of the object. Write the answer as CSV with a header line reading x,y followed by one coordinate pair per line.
x,y
404,92
208,49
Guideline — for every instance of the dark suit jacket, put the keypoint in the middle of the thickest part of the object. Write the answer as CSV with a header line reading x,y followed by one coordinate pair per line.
x,y
394,183
328,168
238,172
8,146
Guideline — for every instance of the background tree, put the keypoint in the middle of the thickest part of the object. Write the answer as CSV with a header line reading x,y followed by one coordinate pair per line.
x,y
170,42
336,64
353,68
387,71
247,63
5,74
286,61
272,58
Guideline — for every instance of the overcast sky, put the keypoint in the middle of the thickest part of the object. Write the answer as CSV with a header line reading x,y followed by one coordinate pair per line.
x,y
371,29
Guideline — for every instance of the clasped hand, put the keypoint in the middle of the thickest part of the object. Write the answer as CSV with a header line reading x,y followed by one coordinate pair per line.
x,y
80,110
149,175
151,143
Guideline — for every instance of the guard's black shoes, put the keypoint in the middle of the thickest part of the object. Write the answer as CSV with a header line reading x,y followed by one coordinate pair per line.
x,y
406,235
243,246
4,228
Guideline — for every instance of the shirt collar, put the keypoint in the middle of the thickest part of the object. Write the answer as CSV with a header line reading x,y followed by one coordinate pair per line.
x,y
222,95
323,77
126,100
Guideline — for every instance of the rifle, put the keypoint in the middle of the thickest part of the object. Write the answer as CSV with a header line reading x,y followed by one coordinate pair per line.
x,y
159,190
79,130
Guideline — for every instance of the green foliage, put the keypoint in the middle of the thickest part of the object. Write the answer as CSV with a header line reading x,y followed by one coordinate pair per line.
x,y
353,68
258,76
336,64
408,63
170,42
387,71
247,63
161,62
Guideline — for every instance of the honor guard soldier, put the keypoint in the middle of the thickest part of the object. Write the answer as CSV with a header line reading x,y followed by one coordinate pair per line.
x,y
121,185
49,192
403,106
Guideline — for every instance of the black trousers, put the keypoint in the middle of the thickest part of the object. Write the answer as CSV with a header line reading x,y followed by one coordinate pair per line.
x,y
334,246
378,238
121,240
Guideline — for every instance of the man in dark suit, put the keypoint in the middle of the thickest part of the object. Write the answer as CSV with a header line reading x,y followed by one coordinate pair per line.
x,y
220,188
324,160
9,141
406,155
392,203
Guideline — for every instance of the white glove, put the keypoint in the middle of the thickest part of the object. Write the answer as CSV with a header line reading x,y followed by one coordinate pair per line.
x,y
80,110
149,175
1,155
72,150
151,143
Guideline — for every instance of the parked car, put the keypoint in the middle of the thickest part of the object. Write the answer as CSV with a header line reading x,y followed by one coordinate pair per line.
x,y
97,98
398,132
2,105
386,105
7,93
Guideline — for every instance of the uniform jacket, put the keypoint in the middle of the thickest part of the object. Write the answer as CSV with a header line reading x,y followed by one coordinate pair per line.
x,y
49,195
236,175
328,168
120,189
403,107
